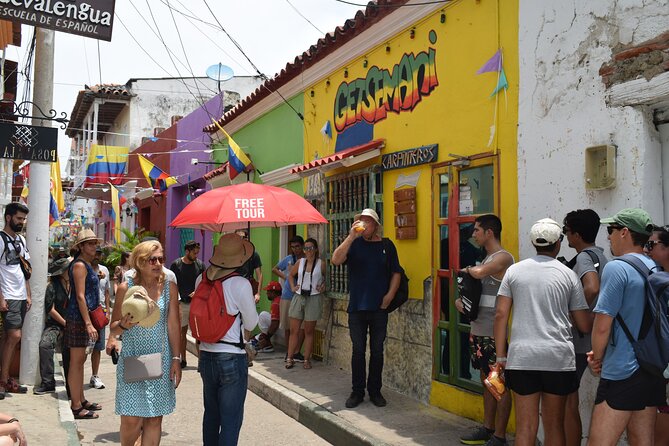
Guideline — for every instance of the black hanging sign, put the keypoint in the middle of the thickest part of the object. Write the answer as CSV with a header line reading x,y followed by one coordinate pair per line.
x,y
28,142
410,157
88,18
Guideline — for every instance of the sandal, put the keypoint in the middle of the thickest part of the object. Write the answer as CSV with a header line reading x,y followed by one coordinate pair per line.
x,y
307,364
88,415
290,363
90,406
11,386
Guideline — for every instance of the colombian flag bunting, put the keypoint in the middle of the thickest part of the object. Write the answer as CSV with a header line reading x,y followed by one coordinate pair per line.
x,y
237,159
116,201
106,164
57,202
155,176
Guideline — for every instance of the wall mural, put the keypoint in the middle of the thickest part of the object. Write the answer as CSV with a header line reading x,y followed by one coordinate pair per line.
x,y
381,91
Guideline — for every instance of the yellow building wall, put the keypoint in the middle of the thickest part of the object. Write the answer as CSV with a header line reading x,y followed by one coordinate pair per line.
x,y
457,113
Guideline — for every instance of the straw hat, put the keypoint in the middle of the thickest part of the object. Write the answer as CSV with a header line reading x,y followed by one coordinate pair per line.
x,y
230,253
58,267
140,306
86,235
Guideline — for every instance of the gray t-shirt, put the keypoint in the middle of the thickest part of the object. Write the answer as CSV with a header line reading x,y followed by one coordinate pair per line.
x,y
544,291
584,264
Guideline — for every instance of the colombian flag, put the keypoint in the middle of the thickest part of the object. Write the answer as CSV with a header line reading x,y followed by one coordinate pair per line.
x,y
155,176
117,201
237,159
57,202
106,164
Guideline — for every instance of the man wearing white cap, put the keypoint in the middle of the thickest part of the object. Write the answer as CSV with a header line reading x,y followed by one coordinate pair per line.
x,y
541,363
373,276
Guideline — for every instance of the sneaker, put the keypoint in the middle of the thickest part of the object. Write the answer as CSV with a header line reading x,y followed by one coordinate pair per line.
x,y
96,382
354,400
43,390
267,349
378,400
495,441
298,357
480,435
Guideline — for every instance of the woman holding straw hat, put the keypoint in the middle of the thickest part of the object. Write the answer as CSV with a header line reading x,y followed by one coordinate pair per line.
x,y
79,330
148,317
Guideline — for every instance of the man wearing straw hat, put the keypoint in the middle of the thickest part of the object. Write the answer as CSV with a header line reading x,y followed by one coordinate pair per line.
x,y
225,387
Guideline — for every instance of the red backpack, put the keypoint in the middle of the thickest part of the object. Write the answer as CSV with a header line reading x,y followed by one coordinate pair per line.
x,y
209,319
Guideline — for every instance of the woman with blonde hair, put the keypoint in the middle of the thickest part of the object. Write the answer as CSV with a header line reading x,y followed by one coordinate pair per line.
x,y
141,403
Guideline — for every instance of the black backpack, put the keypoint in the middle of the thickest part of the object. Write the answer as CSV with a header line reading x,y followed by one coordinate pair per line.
x,y
402,294
469,290
652,346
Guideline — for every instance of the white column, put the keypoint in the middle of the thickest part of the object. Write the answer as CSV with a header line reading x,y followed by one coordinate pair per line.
x,y
38,219
664,146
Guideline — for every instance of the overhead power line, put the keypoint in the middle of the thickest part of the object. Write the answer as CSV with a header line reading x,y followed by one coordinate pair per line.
x,y
303,16
393,6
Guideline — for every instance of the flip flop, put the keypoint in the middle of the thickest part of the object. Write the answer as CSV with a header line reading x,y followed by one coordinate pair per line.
x,y
90,406
88,415
307,364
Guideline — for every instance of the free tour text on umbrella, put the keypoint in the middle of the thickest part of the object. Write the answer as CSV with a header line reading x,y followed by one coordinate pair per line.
x,y
250,208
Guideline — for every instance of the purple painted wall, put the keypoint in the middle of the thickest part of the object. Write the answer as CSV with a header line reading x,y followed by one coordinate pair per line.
x,y
193,143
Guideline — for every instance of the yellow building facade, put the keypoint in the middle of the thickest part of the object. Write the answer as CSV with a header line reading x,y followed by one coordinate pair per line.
x,y
410,128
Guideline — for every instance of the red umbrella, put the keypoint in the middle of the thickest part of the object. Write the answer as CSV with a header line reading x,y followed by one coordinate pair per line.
x,y
246,205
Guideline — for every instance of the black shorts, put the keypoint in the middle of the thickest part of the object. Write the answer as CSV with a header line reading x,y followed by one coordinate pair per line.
x,y
581,365
637,392
12,319
527,382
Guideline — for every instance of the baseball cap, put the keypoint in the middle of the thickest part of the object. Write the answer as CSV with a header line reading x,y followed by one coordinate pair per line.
x,y
273,286
369,213
545,232
635,219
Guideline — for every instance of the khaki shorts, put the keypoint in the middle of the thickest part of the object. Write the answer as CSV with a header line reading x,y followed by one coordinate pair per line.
x,y
185,313
284,323
306,308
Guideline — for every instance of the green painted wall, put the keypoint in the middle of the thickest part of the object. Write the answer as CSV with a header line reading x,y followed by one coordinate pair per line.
x,y
271,141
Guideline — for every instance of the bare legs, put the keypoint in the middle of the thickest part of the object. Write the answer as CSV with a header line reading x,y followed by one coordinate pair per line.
x,y
150,430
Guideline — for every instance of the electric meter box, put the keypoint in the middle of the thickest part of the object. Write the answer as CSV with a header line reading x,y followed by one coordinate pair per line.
x,y
600,167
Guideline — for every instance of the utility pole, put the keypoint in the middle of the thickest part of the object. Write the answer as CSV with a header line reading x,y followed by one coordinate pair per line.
x,y
38,219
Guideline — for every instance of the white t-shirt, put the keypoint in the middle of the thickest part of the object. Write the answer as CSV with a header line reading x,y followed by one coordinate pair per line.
x,y
104,284
169,275
544,291
238,296
12,281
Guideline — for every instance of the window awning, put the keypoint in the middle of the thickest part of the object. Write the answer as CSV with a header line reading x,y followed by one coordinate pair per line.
x,y
344,158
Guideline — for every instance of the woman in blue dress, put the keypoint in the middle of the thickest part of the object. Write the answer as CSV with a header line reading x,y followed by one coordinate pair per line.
x,y
142,404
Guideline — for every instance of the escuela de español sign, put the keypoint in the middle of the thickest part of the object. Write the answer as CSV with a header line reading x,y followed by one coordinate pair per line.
x,y
88,18
28,142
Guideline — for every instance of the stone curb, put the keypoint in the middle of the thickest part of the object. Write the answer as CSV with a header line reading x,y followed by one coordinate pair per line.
x,y
326,424
65,413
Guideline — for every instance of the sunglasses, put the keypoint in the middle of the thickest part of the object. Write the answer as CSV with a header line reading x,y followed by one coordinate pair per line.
x,y
612,228
650,244
155,260
309,248
565,229
295,246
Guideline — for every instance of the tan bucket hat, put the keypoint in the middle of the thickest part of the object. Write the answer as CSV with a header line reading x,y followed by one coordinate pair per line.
x,y
86,235
140,306
230,253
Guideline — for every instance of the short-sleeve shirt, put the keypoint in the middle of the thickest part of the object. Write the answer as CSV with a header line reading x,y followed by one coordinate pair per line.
x,y
584,265
55,297
12,281
248,268
622,293
187,274
544,291
370,269
285,265
104,284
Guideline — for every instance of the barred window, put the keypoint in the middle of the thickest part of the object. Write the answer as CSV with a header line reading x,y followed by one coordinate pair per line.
x,y
346,195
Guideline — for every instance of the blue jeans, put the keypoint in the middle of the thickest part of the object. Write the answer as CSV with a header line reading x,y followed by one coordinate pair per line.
x,y
359,323
224,383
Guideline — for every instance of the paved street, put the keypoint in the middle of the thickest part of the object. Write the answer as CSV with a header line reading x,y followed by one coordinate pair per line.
x,y
263,423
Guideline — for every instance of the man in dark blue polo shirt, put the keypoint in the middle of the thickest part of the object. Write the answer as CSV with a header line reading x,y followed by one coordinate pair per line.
x,y
374,276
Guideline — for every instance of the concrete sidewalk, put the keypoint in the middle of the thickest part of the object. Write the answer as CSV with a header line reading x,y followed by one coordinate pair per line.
x,y
316,399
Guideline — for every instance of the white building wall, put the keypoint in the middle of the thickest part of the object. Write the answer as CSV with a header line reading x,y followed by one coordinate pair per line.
x,y
562,110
